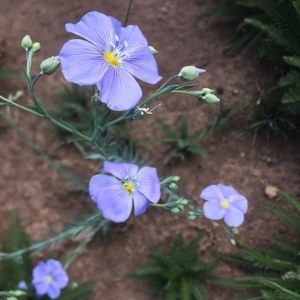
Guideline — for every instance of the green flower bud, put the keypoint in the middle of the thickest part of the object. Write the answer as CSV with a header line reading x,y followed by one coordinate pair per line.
x,y
175,178
173,186
49,65
232,242
175,210
210,99
184,201
153,50
189,73
26,42
235,230
36,47
18,293
206,91
12,298
192,217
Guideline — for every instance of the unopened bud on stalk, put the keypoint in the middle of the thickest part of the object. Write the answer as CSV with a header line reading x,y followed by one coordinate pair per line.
x,y
153,50
26,42
210,99
189,73
49,65
36,46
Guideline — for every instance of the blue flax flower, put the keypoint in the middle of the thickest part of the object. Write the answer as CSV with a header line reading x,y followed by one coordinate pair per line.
x,y
123,187
224,202
110,57
49,278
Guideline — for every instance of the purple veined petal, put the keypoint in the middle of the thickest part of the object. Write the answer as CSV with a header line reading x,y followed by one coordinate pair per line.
x,y
82,62
213,211
239,202
119,90
53,290
61,279
140,203
117,26
40,270
53,265
212,193
41,287
139,60
233,217
99,182
121,170
97,28
132,35
114,203
226,190
148,184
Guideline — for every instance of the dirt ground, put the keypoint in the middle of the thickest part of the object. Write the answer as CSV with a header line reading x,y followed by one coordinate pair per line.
x,y
183,37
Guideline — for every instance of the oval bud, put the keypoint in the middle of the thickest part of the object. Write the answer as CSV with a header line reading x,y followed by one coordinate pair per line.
x,y
189,73
49,65
36,46
26,42
210,99
153,50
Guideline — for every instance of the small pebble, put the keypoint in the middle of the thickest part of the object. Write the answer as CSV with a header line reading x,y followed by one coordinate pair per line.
x,y
271,191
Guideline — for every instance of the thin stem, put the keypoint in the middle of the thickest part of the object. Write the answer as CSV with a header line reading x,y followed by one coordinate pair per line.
x,y
128,12
24,108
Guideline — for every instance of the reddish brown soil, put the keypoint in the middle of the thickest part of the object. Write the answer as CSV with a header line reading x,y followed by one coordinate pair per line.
x,y
183,37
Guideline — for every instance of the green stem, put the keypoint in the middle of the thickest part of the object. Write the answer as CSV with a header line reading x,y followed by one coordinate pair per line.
x,y
128,12
24,108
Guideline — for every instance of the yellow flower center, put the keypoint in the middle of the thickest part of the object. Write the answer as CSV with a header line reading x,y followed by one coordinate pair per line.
x,y
49,278
112,58
129,187
224,203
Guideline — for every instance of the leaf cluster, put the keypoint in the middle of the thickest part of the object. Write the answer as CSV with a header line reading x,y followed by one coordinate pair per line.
x,y
273,25
181,141
178,275
12,271
274,274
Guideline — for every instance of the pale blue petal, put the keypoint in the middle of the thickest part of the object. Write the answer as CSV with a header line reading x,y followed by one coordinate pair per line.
x,y
97,28
139,60
53,290
52,266
41,287
212,193
40,270
114,203
140,203
148,184
213,211
240,202
123,171
226,190
82,63
233,217
119,90
61,279
99,182
200,71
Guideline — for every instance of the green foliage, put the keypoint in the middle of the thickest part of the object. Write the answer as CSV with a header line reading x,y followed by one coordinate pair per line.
x,y
14,271
274,274
182,142
179,274
274,26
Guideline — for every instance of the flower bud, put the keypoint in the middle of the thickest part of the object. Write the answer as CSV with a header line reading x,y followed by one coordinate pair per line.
x,y
49,65
210,99
26,42
175,178
175,210
36,47
189,73
206,91
153,50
